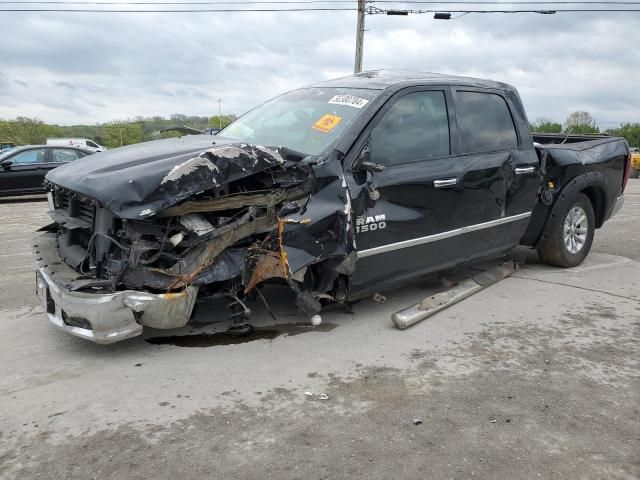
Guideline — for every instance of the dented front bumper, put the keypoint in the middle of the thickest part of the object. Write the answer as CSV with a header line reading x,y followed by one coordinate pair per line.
x,y
102,317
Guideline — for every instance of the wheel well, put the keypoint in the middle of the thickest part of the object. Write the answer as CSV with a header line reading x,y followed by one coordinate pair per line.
x,y
598,202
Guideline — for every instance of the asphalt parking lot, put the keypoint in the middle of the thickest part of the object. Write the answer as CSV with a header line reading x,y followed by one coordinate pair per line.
x,y
535,377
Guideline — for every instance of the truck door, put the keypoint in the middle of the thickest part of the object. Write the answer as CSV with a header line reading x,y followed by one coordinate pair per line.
x,y
494,134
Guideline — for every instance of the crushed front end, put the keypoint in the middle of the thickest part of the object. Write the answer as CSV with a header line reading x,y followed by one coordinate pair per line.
x,y
135,243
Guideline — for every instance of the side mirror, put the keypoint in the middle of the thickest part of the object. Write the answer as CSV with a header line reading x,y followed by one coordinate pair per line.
x,y
364,163
6,163
371,167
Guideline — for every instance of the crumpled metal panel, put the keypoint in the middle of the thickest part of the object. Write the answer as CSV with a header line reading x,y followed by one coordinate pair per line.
x,y
323,229
109,315
585,153
229,264
140,180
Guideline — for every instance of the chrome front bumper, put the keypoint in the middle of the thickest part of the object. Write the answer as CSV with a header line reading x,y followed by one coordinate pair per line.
x,y
102,317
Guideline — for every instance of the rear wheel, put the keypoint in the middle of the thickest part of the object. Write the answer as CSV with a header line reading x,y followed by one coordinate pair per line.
x,y
571,234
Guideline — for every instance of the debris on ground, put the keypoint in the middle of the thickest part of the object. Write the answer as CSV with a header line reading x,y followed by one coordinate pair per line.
x,y
379,298
316,320
448,282
321,396
417,421
435,303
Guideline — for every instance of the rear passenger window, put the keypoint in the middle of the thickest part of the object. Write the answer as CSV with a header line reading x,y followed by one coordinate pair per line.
x,y
485,122
416,127
64,155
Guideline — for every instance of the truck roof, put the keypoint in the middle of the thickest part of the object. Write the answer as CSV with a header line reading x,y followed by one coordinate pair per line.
x,y
383,79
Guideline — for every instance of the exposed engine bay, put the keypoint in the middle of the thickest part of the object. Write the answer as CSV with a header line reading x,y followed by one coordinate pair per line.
x,y
257,214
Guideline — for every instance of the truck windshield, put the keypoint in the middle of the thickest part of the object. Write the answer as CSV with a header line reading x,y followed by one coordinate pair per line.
x,y
307,120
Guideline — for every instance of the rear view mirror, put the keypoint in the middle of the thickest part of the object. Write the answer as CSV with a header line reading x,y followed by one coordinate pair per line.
x,y
6,163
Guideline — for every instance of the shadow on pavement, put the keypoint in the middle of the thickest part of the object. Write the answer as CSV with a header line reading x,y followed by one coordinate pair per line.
x,y
24,199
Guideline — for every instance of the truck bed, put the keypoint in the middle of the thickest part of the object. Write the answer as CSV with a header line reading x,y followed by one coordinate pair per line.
x,y
599,161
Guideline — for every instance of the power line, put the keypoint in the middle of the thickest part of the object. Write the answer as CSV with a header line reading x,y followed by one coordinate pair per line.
x,y
501,2
565,10
569,10
312,9
295,2
242,2
295,6
191,10
545,12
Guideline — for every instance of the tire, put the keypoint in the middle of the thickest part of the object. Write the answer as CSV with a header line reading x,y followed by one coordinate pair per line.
x,y
566,250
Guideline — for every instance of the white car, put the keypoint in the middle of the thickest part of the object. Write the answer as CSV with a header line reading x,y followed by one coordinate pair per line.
x,y
77,142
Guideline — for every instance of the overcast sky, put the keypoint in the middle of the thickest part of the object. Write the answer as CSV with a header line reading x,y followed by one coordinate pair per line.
x,y
86,68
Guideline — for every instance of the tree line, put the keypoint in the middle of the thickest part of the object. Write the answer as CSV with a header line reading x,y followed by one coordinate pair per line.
x,y
32,131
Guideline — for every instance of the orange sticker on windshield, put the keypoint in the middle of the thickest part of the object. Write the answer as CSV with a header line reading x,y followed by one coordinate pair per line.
x,y
327,122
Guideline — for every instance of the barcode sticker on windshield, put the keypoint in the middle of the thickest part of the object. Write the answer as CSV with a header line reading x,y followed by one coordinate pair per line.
x,y
349,100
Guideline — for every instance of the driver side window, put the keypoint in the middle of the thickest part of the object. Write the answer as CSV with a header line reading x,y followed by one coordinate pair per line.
x,y
28,157
415,128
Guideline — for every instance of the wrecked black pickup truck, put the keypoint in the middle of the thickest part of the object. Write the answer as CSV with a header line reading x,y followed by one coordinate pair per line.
x,y
338,190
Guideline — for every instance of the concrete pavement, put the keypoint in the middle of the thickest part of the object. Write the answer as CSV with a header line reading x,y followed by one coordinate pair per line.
x,y
535,377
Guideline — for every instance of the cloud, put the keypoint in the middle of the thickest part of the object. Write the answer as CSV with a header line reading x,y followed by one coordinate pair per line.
x,y
88,68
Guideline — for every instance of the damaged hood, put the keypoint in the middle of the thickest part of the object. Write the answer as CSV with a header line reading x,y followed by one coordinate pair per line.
x,y
139,180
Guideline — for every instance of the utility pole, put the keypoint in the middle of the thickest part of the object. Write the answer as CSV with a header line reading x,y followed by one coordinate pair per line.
x,y
359,36
220,113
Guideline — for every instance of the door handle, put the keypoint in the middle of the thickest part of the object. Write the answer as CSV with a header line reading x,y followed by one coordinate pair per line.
x,y
523,170
445,182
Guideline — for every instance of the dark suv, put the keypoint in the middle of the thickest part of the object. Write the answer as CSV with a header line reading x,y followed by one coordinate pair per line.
x,y
22,169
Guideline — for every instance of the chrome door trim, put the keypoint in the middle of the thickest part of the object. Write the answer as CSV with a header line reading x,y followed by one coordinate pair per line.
x,y
445,182
441,236
522,170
